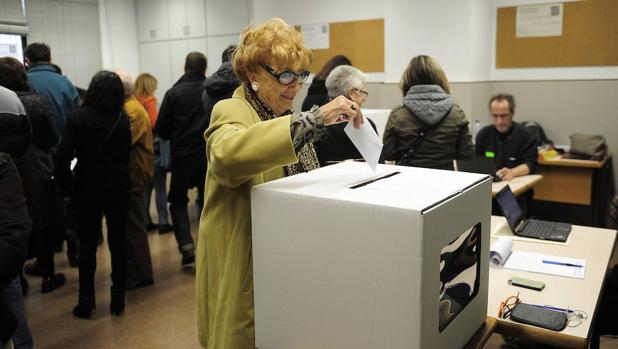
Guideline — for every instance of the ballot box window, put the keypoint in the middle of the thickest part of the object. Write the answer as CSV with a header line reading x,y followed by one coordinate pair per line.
x,y
459,274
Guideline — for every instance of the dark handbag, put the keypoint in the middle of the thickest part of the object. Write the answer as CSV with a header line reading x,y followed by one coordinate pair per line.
x,y
411,153
539,316
586,146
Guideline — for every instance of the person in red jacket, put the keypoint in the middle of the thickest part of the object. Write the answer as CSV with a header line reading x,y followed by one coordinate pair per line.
x,y
145,87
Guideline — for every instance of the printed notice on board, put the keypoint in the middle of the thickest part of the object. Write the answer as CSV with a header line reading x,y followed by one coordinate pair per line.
x,y
539,20
316,35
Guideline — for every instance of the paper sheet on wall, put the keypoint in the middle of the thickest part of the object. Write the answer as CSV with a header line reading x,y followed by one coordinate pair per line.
x,y
366,140
539,20
316,36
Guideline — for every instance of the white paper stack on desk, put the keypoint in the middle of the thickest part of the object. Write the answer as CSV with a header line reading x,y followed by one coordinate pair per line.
x,y
501,254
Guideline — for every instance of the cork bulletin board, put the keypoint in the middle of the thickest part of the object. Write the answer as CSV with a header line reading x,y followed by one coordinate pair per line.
x,y
589,38
361,41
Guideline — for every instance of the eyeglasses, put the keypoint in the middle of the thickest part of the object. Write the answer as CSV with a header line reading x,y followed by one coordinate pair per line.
x,y
287,77
506,306
365,93
502,116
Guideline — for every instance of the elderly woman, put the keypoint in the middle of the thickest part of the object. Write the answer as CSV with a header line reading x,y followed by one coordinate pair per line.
x,y
347,81
98,134
317,94
254,137
428,129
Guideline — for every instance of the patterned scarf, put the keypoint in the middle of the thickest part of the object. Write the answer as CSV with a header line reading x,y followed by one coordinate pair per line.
x,y
307,157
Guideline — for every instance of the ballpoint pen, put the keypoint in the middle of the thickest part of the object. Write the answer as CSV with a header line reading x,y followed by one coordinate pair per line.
x,y
563,263
554,308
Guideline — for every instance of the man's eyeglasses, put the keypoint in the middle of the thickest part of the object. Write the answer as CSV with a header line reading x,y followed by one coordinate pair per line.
x,y
287,77
365,93
502,116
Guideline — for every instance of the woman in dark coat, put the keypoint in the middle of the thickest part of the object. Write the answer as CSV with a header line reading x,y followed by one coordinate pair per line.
x,y
98,134
36,168
428,129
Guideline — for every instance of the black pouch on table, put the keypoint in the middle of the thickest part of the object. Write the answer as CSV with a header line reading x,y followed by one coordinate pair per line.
x,y
539,316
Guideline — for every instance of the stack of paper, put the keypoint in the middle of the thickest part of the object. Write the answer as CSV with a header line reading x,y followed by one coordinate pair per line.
x,y
501,254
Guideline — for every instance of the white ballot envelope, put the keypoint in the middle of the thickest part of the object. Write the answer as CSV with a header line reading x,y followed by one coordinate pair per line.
x,y
367,141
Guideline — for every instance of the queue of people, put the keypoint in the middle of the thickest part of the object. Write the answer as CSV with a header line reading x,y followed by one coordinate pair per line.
x,y
222,135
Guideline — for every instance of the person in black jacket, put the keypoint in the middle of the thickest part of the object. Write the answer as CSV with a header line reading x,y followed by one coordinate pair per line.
x,y
15,222
14,230
221,84
317,93
98,133
182,121
43,204
511,145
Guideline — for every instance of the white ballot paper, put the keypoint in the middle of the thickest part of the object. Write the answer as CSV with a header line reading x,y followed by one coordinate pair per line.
x,y
501,254
366,140
500,251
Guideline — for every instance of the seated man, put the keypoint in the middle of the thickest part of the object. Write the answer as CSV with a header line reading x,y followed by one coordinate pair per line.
x,y
509,143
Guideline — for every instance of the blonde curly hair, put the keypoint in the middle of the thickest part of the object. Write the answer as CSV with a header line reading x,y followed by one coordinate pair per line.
x,y
274,42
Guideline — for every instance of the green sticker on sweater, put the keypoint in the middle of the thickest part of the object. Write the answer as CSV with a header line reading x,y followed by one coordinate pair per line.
x,y
490,154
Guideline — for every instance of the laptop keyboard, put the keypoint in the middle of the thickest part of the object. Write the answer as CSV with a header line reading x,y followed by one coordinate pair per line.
x,y
545,230
538,229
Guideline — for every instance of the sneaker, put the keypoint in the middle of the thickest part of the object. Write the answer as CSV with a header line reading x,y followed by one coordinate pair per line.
x,y
188,257
165,228
33,269
53,282
151,226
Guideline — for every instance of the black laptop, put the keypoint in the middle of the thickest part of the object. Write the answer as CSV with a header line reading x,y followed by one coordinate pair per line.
x,y
479,164
530,228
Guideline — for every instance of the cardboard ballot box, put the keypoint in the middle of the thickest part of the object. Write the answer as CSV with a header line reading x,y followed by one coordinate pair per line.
x,y
346,258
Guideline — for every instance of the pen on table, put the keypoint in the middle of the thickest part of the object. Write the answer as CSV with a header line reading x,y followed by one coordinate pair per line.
x,y
554,308
563,263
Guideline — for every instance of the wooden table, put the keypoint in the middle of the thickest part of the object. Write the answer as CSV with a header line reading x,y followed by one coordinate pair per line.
x,y
572,190
518,185
567,180
594,245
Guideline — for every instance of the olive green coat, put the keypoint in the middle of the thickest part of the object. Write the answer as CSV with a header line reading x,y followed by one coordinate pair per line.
x,y
242,151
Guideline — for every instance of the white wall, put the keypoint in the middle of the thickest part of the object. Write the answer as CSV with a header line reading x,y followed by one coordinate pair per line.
x,y
456,33
71,29
119,43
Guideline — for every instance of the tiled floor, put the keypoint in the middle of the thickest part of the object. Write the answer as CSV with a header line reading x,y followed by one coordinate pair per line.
x,y
159,316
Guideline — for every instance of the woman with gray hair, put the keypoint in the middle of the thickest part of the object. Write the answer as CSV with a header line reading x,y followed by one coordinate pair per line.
x,y
347,81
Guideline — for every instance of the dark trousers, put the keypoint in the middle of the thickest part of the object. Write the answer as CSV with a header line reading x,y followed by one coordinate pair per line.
x,y
139,263
51,237
114,204
22,338
186,174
